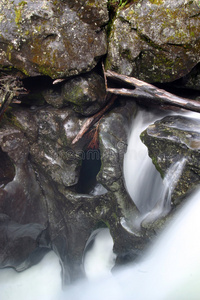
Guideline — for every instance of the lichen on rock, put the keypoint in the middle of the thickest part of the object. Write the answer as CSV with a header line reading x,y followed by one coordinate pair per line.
x,y
156,41
53,38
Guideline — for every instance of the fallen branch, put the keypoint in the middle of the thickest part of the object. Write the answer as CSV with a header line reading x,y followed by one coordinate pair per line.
x,y
90,121
149,91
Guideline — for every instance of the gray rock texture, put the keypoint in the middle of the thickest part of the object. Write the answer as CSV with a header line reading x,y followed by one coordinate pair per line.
x,y
170,140
155,41
54,38
40,205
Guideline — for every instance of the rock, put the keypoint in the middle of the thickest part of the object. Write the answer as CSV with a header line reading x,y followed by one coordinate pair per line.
x,y
54,38
192,80
113,142
86,93
52,152
23,215
171,140
19,245
54,97
40,206
155,41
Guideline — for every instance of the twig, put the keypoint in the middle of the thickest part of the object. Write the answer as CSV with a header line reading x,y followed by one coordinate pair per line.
x,y
90,121
104,74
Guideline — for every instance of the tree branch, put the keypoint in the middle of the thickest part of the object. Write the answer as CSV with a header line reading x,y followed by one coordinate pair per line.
x,y
90,121
149,91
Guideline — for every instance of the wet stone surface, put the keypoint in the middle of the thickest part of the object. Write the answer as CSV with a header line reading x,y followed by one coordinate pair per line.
x,y
168,141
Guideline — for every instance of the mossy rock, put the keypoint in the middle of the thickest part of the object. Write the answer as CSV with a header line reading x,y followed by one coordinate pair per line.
x,y
53,38
85,93
155,41
171,140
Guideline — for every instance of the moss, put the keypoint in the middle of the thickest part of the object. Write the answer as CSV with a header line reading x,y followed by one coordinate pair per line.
x,y
18,12
115,217
155,162
18,16
157,2
38,28
106,223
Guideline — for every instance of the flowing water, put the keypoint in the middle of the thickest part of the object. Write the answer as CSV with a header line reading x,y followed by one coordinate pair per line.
x,y
170,270
138,167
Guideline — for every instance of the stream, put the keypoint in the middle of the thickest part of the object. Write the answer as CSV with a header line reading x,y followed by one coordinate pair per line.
x,y
170,269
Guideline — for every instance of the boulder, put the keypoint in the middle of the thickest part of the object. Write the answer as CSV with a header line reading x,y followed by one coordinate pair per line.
x,y
155,41
86,94
54,38
174,139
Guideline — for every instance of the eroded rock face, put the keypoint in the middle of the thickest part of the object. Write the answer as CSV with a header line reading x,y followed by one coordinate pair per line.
x,y
23,214
155,41
192,80
40,206
55,38
52,152
170,140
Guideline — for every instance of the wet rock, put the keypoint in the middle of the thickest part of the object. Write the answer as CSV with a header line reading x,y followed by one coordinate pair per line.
x,y
113,142
192,80
169,141
40,207
54,38
86,93
52,152
7,169
23,215
155,41
20,244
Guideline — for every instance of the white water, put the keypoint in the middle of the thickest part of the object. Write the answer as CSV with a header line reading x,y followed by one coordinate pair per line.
x,y
138,167
169,271
100,259
40,282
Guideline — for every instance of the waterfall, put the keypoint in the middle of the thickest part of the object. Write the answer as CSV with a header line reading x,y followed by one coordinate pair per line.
x,y
138,167
170,270
99,259
163,205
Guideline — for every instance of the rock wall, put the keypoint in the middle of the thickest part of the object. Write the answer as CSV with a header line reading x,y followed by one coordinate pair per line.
x,y
156,41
